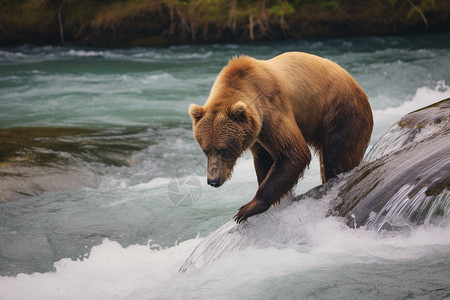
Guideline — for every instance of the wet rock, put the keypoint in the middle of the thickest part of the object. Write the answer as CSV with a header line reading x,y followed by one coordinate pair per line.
x,y
34,160
405,178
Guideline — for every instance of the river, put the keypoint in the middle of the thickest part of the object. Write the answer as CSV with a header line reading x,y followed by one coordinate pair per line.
x,y
135,203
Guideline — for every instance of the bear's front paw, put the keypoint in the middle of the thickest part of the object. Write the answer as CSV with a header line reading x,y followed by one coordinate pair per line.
x,y
252,208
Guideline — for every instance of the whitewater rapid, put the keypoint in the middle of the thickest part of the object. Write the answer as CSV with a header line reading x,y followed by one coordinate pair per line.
x,y
125,238
294,239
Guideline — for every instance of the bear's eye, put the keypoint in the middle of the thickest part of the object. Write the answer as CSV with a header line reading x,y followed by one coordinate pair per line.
x,y
223,153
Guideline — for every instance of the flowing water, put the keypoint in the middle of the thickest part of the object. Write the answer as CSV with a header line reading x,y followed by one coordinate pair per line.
x,y
119,200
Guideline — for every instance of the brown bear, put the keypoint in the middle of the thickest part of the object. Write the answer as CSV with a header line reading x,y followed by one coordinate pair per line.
x,y
278,107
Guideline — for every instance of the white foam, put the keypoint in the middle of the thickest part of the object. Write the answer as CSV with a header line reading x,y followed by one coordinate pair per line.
x,y
10,54
152,184
92,53
153,55
110,272
424,96
308,242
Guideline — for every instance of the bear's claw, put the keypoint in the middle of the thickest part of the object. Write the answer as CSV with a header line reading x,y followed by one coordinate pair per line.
x,y
241,216
250,209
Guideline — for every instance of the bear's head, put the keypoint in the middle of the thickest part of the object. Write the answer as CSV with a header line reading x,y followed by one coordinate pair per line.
x,y
224,132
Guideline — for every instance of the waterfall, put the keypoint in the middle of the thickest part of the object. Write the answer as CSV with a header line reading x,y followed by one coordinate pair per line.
x,y
403,211
405,178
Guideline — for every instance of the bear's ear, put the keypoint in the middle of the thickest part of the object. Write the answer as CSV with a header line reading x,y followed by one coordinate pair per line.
x,y
237,111
196,112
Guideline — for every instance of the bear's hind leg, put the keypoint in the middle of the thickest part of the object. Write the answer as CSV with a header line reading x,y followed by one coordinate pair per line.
x,y
345,143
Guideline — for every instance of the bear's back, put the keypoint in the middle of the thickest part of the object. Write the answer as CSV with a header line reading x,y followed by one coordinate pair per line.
x,y
313,84
307,75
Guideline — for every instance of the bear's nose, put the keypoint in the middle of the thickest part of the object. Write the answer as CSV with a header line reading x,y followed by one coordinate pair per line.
x,y
214,182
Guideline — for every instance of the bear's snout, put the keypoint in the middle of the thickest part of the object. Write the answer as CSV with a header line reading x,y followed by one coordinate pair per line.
x,y
215,171
214,182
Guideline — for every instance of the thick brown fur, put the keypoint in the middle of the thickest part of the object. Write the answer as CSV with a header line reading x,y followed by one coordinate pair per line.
x,y
276,108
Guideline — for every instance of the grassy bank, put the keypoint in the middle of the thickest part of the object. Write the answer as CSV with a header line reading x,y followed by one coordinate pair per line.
x,y
166,22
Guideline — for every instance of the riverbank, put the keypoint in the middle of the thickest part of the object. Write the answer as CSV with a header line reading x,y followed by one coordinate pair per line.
x,y
131,23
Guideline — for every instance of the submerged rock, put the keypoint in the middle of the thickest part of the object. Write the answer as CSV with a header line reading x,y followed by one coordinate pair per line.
x,y
34,160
